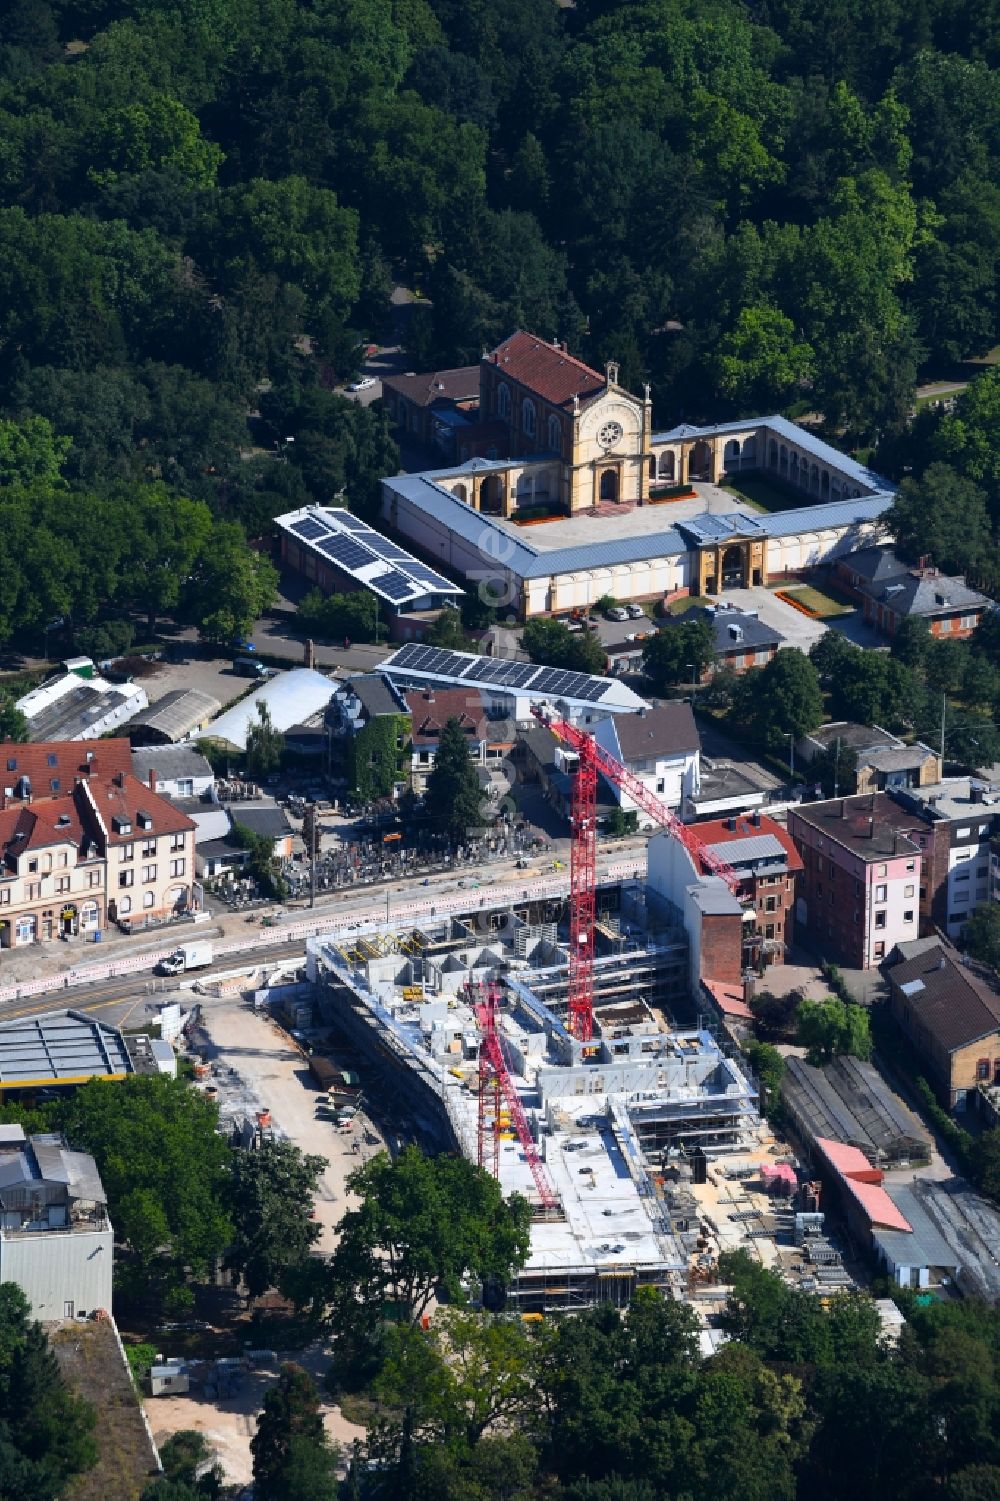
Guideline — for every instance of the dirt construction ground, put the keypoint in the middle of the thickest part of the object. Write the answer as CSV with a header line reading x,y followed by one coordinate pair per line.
x,y
276,1071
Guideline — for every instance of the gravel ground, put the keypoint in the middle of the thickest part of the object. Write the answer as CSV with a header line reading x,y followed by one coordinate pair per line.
x,y
276,1070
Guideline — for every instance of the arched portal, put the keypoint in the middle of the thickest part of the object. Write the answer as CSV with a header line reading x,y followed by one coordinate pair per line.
x,y
700,461
491,494
734,566
609,484
666,468
731,455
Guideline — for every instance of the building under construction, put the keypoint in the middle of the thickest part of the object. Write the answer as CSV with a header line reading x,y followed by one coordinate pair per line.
x,y
473,1017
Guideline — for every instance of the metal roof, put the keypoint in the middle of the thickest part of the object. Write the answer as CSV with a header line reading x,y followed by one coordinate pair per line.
x,y
345,542
291,697
177,713
60,1047
712,527
923,1245
781,427
413,664
171,761
514,555
749,850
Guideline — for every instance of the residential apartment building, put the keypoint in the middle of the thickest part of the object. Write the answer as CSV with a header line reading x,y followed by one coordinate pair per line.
x,y
56,1242
764,856
107,850
661,747
950,1011
958,819
891,591
859,890
490,741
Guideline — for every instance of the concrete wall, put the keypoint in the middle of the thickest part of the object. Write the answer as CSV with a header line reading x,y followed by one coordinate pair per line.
x,y
56,1267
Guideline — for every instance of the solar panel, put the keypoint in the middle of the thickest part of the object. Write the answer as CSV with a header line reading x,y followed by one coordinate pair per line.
x,y
345,551
387,549
406,655
450,664
428,576
348,522
309,528
396,585
521,673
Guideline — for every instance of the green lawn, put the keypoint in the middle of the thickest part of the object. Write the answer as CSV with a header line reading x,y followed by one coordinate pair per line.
x,y
678,606
822,602
764,493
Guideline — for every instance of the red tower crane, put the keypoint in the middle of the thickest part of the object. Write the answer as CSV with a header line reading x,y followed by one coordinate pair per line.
x,y
494,1081
591,759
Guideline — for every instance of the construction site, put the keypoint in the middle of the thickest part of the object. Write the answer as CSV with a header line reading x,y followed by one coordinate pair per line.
x,y
564,1051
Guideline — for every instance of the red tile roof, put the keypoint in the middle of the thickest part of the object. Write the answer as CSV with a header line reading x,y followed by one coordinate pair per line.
x,y
717,831
61,761
546,369
430,715
125,798
461,384
37,825
864,1183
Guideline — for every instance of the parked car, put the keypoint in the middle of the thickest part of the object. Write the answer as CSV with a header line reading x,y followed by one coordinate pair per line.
x,y
363,383
635,612
617,612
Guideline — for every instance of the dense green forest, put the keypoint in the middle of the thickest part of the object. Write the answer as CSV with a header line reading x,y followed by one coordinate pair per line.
x,y
204,208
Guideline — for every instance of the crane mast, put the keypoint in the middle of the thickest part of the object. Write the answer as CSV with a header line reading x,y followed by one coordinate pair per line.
x,y
591,759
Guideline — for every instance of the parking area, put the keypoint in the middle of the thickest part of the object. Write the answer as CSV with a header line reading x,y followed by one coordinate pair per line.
x,y
798,629
212,675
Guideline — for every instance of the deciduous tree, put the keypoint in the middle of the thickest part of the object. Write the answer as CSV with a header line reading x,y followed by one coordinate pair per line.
x,y
273,1191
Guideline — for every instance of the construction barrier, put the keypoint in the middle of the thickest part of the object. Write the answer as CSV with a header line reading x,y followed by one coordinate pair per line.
x,y
375,917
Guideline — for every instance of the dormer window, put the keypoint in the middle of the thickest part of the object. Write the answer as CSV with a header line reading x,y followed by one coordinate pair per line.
x,y
144,820
121,825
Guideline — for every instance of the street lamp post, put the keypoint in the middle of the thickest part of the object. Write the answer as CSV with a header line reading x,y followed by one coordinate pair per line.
x,y
694,681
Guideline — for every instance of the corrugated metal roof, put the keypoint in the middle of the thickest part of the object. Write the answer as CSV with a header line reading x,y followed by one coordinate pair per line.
x,y
58,1046
924,1245
178,712
748,851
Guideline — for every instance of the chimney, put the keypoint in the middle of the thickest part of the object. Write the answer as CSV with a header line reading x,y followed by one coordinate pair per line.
x,y
120,779
429,695
871,828
756,818
731,824
643,712
152,779
309,654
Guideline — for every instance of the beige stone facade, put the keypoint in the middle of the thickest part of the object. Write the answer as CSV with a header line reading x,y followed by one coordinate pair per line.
x,y
108,850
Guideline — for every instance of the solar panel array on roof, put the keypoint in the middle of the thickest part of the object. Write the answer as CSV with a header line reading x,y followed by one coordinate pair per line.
x,y
309,528
492,672
396,585
346,551
356,548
